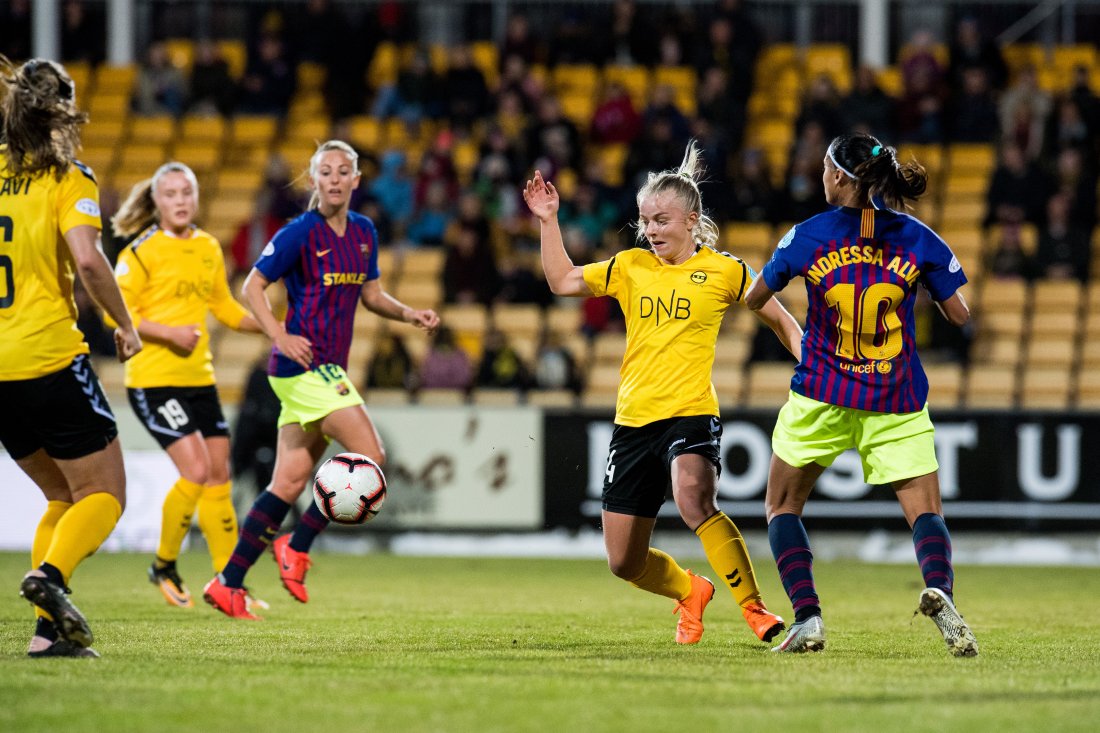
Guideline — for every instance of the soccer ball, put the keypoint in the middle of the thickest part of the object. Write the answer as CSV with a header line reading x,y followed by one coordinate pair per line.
x,y
349,488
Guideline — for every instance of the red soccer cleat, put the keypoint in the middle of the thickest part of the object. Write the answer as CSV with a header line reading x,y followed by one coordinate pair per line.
x,y
233,602
293,566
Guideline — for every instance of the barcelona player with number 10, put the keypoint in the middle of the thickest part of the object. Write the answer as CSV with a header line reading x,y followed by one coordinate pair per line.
x,y
328,260
859,383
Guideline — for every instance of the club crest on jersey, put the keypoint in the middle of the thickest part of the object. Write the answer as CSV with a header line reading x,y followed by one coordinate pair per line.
x,y
341,389
698,277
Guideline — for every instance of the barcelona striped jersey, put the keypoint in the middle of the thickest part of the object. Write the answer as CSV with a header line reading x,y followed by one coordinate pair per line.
x,y
324,274
862,268
673,313
38,333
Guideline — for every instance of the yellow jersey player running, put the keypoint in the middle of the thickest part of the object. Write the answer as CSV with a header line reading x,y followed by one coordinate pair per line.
x,y
674,294
54,418
171,276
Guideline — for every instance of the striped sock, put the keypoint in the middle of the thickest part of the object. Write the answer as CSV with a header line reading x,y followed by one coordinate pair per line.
x,y
259,528
933,546
312,523
791,548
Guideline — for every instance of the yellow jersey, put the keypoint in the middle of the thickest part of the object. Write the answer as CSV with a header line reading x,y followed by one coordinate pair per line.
x,y
175,281
673,313
38,333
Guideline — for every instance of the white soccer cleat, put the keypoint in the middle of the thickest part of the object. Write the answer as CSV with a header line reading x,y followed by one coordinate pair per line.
x,y
960,640
805,636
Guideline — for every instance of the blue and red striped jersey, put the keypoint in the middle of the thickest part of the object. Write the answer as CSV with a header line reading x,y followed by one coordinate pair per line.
x,y
324,274
862,268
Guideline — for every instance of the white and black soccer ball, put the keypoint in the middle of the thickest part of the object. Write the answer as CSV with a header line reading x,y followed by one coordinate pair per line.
x,y
349,488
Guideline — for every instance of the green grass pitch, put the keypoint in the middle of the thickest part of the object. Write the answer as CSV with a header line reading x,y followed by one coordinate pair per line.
x,y
391,643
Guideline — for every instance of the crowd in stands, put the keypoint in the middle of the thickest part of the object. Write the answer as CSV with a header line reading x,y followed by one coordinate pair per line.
x,y
512,118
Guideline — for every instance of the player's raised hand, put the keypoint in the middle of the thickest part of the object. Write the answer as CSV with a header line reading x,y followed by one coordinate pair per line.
x,y
426,320
541,197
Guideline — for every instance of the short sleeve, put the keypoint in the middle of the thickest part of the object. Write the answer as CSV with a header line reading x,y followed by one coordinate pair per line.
x,y
942,273
78,200
603,278
783,265
282,253
373,273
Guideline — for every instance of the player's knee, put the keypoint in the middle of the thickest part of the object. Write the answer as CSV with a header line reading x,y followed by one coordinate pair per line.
x,y
625,568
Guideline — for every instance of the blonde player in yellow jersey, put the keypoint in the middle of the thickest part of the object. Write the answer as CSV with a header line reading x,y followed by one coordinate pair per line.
x,y
55,421
674,293
171,276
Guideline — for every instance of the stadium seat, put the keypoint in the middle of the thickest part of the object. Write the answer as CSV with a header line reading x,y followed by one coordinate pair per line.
x,y
1055,324
181,53
311,76
518,319
1044,350
1045,387
203,128
729,385
105,106
201,157
598,400
158,129
383,65
564,320
945,383
991,386
239,183
602,377
484,397
730,352
235,54
115,80
441,397
142,157
551,398
253,130
576,79
1088,388
391,397
1002,350
635,79
485,57
419,293
1056,296
767,384
100,158
608,348
971,158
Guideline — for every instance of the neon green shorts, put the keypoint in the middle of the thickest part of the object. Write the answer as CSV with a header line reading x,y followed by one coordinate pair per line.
x,y
307,398
892,446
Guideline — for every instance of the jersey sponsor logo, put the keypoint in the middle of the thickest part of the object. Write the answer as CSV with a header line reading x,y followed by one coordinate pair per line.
x,y
200,288
87,206
344,278
675,308
323,252
882,367
699,277
268,250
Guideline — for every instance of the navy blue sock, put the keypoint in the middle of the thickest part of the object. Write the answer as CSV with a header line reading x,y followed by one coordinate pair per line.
x,y
312,523
791,548
257,531
933,546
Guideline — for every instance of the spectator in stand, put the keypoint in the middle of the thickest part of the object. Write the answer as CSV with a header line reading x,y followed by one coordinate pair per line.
x,y
326,36
415,95
1017,189
83,33
519,42
15,29
161,88
276,203
493,185
821,104
662,106
1080,91
973,110
516,79
212,88
867,107
1064,251
588,211
555,366
394,190
971,49
521,281
627,37
470,272
466,93
431,219
804,194
714,102
920,65
1009,260
753,198
446,365
615,119
390,366
1069,128
552,141
1024,109
437,166
1077,179
723,49
920,110
501,366
269,78
573,38
656,149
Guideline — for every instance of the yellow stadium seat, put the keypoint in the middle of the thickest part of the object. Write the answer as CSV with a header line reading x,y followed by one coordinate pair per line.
x,y
181,53
311,76
682,79
608,348
160,129
422,264
729,385
236,56
419,293
1045,387
439,397
253,130
945,382
635,79
239,183
484,397
485,56
383,66
581,79
142,156
1059,296
1051,351
973,158
201,157
578,108
313,130
365,132
992,386
768,384
468,322
551,398
115,80
100,158
518,319
602,378
108,106
730,352
196,128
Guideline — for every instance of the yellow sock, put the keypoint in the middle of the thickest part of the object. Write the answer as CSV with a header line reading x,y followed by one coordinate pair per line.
x,y
43,535
81,530
175,517
218,522
663,576
725,549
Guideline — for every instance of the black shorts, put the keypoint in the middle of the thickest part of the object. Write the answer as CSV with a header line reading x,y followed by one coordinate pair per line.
x,y
170,413
65,413
639,460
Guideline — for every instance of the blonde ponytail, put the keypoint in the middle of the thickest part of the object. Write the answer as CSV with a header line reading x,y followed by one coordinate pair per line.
x,y
683,183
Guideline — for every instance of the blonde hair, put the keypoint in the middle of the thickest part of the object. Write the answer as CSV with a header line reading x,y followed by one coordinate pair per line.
x,y
315,163
139,210
39,120
683,183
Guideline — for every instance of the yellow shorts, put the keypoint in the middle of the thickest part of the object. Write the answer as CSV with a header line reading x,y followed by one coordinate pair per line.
x,y
892,446
307,398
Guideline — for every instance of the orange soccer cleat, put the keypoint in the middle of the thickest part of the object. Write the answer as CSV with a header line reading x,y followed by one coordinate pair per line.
x,y
233,602
689,629
765,624
293,566
167,580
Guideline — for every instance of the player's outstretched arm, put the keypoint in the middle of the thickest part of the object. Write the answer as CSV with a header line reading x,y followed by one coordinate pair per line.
x,y
297,348
779,320
955,309
562,275
378,301
99,279
759,294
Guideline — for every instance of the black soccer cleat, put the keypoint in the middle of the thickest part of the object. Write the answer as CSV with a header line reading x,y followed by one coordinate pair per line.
x,y
70,622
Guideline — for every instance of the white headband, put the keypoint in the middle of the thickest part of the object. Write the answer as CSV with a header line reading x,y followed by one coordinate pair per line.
x,y
838,166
